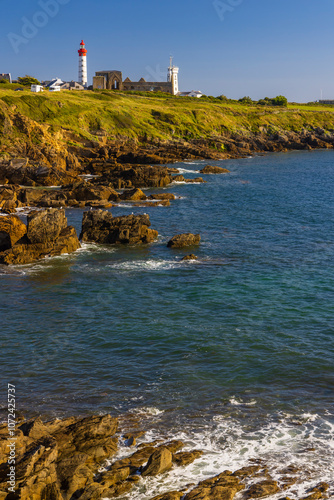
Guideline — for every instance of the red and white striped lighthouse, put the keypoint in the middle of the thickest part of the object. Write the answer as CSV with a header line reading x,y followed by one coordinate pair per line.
x,y
83,64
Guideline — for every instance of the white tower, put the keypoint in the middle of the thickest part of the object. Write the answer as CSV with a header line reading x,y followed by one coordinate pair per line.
x,y
83,65
173,76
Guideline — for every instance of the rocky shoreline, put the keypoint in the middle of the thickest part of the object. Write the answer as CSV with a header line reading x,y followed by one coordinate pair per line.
x,y
75,458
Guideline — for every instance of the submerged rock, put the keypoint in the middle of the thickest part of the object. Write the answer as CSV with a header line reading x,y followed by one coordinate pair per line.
x,y
46,234
184,240
100,226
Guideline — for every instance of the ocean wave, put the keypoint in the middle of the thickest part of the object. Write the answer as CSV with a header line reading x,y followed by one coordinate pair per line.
x,y
229,444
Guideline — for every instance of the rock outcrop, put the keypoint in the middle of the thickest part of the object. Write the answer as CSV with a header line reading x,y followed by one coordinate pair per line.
x,y
57,460
46,234
12,229
100,226
210,169
184,240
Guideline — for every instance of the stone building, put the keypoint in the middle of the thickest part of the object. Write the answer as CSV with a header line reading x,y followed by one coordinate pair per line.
x,y
109,80
6,76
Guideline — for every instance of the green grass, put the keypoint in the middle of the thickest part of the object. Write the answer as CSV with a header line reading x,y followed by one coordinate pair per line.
x,y
138,115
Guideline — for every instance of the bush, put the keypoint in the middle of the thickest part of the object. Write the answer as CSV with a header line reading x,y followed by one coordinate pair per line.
x,y
280,100
28,80
246,100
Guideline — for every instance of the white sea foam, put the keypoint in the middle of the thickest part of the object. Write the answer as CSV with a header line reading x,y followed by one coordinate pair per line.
x,y
187,171
229,444
142,265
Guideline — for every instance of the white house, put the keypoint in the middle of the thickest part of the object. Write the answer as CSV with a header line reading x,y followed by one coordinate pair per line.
x,y
54,85
37,88
192,93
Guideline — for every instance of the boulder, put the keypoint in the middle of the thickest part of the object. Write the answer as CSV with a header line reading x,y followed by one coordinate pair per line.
x,y
133,195
160,461
12,229
196,180
184,240
184,458
210,169
86,191
263,489
171,495
47,235
222,487
45,226
189,257
162,196
100,226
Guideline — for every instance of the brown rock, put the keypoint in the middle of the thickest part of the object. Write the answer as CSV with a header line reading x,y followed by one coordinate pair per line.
x,y
187,457
113,477
12,230
45,226
184,240
101,227
189,257
210,169
249,471
263,489
133,195
159,462
171,495
178,178
162,196
196,180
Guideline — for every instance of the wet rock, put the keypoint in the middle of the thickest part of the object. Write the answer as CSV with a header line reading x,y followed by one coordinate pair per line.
x,y
47,235
178,178
133,195
113,477
171,495
162,196
196,180
136,176
101,227
317,492
173,446
222,487
85,191
184,240
249,471
12,229
45,226
263,489
210,169
182,459
160,461
189,257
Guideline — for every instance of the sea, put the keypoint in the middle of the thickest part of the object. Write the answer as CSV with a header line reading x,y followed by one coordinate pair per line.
x,y
233,352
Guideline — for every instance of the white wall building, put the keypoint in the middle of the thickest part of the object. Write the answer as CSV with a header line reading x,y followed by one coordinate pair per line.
x,y
192,93
173,76
37,88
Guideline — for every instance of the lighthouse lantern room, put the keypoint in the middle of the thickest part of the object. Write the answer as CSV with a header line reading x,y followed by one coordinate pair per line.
x,y
83,65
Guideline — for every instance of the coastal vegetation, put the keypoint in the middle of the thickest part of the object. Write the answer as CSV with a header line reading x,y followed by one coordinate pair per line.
x,y
87,115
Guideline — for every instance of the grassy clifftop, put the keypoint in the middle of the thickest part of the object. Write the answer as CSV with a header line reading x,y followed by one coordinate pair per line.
x,y
91,115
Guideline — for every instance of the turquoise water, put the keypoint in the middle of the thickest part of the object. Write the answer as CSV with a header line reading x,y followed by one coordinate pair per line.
x,y
237,344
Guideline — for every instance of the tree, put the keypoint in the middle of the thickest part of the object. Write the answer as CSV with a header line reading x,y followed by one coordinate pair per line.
x,y
3,80
246,100
28,80
280,100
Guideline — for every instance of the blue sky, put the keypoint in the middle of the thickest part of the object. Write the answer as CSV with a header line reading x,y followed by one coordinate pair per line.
x,y
233,47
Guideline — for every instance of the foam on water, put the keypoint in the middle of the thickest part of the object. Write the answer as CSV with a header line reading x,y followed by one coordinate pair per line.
x,y
229,444
187,171
145,265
